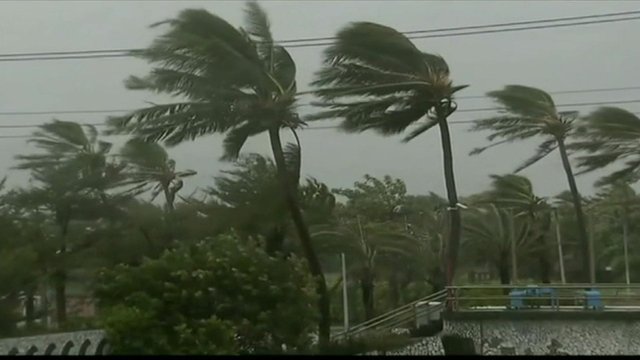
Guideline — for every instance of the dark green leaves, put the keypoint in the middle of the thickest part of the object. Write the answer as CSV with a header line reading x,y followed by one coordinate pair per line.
x,y
232,81
608,135
373,77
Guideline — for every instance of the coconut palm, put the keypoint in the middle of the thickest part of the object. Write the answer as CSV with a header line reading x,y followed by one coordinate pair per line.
x,y
231,81
68,143
149,166
373,77
71,167
529,112
610,135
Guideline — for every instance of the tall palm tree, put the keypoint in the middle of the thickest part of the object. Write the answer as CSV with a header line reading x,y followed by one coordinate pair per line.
x,y
71,164
231,81
609,135
529,112
149,165
373,77
616,203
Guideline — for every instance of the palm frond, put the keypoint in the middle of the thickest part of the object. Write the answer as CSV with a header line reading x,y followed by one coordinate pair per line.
x,y
525,101
373,77
609,135
542,151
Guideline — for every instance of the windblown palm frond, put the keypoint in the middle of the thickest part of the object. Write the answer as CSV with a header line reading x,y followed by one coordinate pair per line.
x,y
515,192
148,167
233,81
610,135
528,112
68,143
488,233
375,78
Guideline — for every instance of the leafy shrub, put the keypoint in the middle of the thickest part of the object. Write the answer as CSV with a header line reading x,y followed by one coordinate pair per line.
x,y
195,299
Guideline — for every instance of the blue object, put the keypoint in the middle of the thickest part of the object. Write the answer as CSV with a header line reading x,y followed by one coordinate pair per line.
x,y
593,300
517,299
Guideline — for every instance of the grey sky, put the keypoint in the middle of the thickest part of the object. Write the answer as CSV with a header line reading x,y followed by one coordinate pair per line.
x,y
581,57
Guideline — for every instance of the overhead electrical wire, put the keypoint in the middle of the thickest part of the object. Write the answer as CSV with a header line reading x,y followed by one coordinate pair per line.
x,y
107,111
454,122
304,42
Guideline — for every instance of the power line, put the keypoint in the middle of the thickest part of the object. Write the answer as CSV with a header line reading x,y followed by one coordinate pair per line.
x,y
16,126
324,127
562,105
566,92
108,111
488,31
515,23
92,54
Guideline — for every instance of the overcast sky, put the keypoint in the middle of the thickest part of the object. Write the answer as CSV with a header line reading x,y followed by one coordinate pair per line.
x,y
580,57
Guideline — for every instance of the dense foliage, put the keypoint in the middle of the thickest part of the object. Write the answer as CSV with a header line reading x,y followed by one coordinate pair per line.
x,y
209,298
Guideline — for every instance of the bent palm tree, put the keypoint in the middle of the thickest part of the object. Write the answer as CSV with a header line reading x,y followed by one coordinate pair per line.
x,y
72,162
149,165
530,112
68,144
609,135
232,81
375,78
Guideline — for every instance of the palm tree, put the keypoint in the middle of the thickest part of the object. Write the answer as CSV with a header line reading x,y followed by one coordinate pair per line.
x,y
148,165
68,144
529,112
375,78
250,201
610,135
615,203
368,247
515,194
229,81
72,164
490,233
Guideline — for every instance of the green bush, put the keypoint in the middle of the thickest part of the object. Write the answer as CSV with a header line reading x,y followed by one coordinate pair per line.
x,y
214,298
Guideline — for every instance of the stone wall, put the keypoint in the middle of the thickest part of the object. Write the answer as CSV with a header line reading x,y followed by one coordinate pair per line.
x,y
426,346
72,343
550,337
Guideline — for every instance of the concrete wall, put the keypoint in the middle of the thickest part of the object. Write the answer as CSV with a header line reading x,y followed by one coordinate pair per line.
x,y
548,336
72,343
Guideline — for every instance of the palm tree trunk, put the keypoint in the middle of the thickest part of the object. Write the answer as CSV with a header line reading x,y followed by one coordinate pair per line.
x,y
169,198
315,268
394,289
367,288
503,271
452,195
29,307
577,204
60,277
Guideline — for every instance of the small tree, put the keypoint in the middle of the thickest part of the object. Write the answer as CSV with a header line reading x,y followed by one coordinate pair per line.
x,y
210,288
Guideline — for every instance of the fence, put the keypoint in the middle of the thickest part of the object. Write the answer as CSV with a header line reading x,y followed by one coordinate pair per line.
x,y
547,296
402,317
